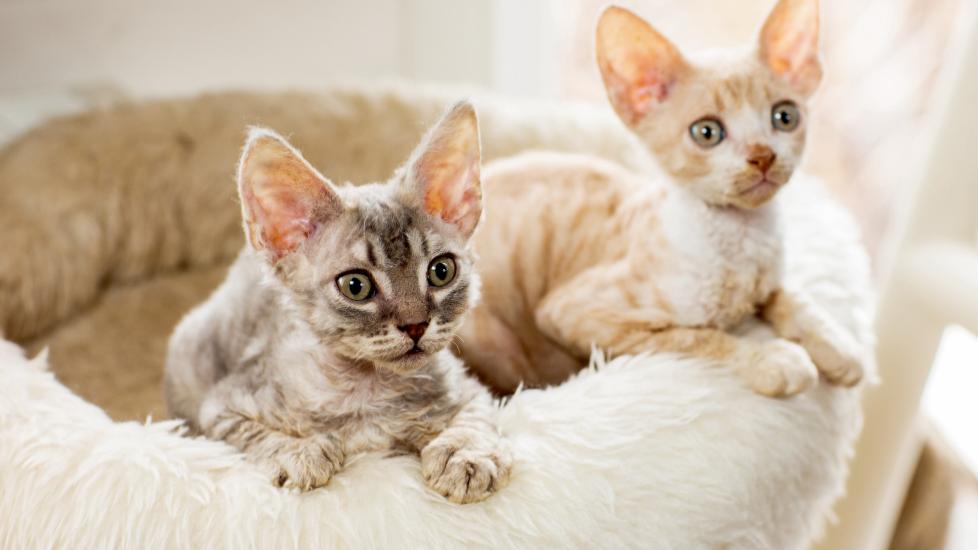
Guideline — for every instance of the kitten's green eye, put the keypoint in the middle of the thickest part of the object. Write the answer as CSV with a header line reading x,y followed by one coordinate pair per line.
x,y
785,116
441,271
355,285
707,132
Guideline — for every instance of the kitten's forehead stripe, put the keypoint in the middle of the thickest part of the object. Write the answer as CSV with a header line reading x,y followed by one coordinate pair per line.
x,y
391,224
371,257
378,251
739,90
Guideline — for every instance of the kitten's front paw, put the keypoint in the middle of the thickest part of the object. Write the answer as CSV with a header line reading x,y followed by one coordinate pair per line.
x,y
781,369
306,463
463,470
837,356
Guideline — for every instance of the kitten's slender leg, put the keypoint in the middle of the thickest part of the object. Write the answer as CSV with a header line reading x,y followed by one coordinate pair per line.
x,y
468,461
296,460
776,368
491,350
592,311
835,353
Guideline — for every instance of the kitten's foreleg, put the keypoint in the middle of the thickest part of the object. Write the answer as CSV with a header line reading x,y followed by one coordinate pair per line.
x,y
836,354
775,368
591,310
491,349
469,460
294,460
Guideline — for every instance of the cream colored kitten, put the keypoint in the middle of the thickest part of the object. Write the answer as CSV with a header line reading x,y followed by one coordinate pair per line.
x,y
328,337
575,251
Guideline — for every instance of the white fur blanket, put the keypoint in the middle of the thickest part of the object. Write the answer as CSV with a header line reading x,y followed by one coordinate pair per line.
x,y
653,452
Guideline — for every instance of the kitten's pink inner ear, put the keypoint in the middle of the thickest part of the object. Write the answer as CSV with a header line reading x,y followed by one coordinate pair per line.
x,y
639,66
449,171
283,198
789,43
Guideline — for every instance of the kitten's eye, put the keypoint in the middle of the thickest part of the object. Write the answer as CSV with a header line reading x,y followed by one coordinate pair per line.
x,y
707,132
785,116
355,285
441,271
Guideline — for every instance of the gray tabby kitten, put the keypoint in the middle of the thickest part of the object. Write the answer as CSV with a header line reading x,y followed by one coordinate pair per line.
x,y
328,337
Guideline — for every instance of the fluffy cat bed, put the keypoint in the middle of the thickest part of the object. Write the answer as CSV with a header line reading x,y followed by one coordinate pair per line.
x,y
655,451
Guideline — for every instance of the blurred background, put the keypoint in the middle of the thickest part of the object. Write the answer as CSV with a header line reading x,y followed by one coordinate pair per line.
x,y
60,54
886,68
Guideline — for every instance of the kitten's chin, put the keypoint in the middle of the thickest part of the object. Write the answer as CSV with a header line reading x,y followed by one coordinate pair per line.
x,y
406,363
756,194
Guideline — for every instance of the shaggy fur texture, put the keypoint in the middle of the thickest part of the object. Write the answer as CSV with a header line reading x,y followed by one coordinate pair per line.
x,y
654,452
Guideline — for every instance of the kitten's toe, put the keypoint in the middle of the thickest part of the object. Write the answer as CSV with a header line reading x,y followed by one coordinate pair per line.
x,y
782,369
306,465
837,357
847,371
465,473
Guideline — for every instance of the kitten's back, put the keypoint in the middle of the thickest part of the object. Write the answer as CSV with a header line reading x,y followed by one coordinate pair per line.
x,y
222,335
549,216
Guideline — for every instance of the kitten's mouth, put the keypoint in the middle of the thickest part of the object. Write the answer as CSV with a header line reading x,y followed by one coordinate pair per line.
x,y
758,193
413,354
762,187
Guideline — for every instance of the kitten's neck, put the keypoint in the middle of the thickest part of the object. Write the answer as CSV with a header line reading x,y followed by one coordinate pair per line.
x,y
692,206
332,363
737,234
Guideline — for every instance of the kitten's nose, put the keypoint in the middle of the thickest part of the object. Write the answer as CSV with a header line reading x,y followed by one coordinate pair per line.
x,y
415,330
760,156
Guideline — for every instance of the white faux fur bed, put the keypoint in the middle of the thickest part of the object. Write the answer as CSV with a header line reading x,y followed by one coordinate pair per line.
x,y
653,452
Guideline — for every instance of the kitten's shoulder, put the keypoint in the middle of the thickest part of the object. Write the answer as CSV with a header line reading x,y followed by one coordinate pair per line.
x,y
247,273
240,307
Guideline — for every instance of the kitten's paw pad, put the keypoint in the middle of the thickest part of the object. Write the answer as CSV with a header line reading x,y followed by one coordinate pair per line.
x,y
465,473
783,369
838,359
305,465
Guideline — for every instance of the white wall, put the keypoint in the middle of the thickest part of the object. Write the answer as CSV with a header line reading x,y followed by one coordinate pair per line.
x,y
178,46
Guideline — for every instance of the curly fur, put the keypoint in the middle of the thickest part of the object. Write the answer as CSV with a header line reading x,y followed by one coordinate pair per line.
x,y
642,452
654,452
302,378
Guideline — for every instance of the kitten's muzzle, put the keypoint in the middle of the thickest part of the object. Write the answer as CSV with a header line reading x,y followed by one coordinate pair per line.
x,y
761,157
414,330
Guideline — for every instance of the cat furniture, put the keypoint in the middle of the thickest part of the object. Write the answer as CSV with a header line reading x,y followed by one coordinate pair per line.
x,y
659,451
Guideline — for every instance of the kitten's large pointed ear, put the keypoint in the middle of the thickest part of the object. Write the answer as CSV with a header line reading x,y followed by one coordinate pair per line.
x,y
283,198
445,170
789,43
639,66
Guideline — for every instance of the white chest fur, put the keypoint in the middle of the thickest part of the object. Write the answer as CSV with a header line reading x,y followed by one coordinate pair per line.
x,y
722,262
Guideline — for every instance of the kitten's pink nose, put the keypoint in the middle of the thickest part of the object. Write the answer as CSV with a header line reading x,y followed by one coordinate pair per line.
x,y
415,331
760,156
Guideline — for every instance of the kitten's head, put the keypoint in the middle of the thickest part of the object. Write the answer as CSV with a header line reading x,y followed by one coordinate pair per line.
x,y
382,273
730,128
